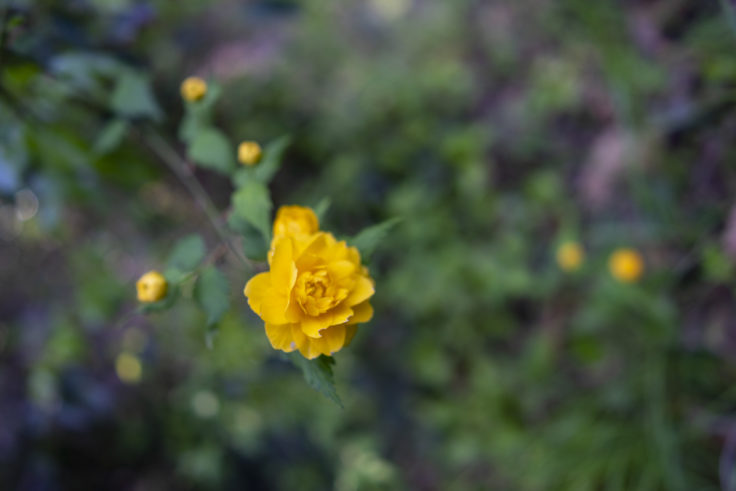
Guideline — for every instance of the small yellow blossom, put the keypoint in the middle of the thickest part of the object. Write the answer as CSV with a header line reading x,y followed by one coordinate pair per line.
x,y
626,265
193,89
314,295
151,287
128,367
294,220
249,153
570,256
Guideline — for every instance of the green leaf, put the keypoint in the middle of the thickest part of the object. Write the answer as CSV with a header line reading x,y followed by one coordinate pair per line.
x,y
254,244
191,125
187,253
273,155
318,374
212,294
252,202
133,97
172,295
210,148
369,238
111,136
322,207
265,170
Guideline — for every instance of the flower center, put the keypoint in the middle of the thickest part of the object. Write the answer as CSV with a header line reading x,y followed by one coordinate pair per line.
x,y
316,293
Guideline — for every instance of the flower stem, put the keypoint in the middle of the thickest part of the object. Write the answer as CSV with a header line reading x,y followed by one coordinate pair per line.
x,y
176,164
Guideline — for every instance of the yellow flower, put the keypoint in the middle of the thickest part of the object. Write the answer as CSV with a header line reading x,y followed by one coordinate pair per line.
x,y
249,153
570,256
128,367
313,296
626,265
294,220
193,89
151,287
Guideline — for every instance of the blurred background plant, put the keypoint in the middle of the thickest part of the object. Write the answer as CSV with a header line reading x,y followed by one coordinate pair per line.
x,y
501,131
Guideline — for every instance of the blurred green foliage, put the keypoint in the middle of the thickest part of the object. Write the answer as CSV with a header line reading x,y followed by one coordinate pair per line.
x,y
496,129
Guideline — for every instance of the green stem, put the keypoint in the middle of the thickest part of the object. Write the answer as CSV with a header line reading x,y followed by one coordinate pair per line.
x,y
169,156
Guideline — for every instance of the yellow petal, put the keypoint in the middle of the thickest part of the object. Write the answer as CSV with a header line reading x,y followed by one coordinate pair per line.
x,y
311,326
293,312
363,290
315,251
304,343
332,342
283,269
340,269
280,337
300,340
256,290
265,301
273,308
335,338
363,312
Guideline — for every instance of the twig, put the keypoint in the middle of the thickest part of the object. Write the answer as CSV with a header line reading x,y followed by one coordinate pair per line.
x,y
169,156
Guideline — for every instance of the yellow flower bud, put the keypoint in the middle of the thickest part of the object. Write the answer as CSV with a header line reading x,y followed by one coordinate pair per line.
x,y
626,265
193,89
151,287
128,367
570,256
294,220
249,153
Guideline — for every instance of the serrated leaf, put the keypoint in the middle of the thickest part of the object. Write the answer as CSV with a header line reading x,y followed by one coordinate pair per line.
x,y
210,148
133,97
212,294
111,136
318,374
369,238
187,253
264,171
322,207
252,202
254,244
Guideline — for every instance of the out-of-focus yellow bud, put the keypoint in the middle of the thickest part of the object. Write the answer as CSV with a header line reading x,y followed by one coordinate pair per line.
x,y
570,256
249,153
193,89
151,287
128,367
626,265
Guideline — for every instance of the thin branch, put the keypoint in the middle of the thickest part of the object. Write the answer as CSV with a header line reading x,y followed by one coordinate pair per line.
x,y
175,163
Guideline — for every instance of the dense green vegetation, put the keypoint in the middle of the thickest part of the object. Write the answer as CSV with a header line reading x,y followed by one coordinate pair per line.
x,y
495,129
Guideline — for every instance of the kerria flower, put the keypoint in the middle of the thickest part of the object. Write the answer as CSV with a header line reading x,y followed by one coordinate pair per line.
x,y
293,221
626,265
193,89
151,287
249,153
570,256
315,293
